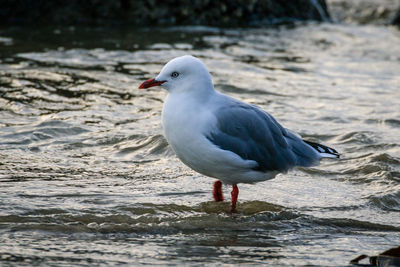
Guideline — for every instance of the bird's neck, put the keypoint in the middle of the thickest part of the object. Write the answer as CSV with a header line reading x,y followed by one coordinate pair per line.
x,y
194,92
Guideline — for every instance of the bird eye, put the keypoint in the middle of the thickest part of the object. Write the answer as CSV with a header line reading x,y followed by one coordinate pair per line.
x,y
174,74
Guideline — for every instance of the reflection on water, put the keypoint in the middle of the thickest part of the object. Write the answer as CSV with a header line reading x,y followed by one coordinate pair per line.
x,y
87,177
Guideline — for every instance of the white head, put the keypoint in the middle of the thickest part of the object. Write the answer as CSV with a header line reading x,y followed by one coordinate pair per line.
x,y
182,74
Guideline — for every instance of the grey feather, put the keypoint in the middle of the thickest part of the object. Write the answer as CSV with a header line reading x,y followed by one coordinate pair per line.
x,y
255,135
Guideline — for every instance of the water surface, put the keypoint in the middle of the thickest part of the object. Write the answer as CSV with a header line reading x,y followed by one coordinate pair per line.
x,y
87,178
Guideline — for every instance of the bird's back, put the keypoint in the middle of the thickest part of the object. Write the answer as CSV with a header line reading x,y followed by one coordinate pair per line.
x,y
254,134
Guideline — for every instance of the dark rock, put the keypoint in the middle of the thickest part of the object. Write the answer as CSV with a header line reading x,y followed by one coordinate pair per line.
x,y
168,12
390,257
396,18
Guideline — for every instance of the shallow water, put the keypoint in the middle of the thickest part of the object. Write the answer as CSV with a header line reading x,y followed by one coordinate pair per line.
x,y
88,179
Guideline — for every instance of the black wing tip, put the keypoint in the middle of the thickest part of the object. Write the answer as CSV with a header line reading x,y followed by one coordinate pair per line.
x,y
323,149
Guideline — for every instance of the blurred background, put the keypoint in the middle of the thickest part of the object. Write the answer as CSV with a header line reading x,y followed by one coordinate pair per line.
x,y
87,178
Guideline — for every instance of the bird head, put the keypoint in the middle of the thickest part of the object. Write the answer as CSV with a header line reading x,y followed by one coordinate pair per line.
x,y
181,74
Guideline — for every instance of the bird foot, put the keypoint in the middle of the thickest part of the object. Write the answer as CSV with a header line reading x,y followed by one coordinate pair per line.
x,y
234,194
218,195
217,192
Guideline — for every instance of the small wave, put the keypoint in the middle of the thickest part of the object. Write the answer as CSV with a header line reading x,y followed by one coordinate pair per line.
x,y
371,167
149,217
392,122
363,137
238,90
364,169
211,207
388,202
154,145
73,57
385,158
43,131
173,219
345,223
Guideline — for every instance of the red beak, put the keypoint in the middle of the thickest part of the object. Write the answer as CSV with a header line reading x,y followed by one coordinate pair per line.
x,y
150,83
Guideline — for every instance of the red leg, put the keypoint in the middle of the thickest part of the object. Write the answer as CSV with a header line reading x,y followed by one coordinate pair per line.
x,y
217,192
234,194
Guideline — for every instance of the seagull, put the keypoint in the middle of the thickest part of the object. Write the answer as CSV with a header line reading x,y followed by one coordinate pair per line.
x,y
222,137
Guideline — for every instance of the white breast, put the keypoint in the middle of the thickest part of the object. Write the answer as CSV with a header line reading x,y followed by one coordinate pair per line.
x,y
185,124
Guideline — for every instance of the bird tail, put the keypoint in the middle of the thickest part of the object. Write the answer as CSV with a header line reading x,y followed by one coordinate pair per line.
x,y
324,151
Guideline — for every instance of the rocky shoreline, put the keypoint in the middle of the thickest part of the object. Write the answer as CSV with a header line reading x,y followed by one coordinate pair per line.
x,y
224,13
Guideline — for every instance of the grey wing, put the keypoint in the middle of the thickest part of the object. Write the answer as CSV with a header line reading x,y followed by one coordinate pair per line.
x,y
255,135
